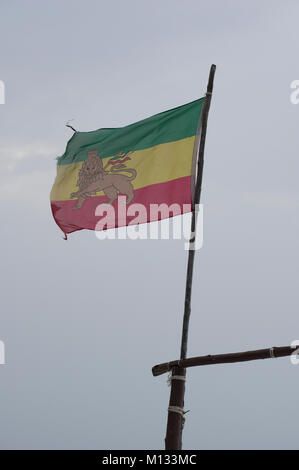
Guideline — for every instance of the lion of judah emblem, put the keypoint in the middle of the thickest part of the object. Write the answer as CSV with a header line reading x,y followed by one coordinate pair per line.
x,y
93,177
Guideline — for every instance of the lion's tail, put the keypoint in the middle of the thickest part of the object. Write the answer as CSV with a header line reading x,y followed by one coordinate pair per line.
x,y
129,170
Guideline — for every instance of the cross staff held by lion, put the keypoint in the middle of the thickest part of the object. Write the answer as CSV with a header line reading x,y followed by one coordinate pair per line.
x,y
93,177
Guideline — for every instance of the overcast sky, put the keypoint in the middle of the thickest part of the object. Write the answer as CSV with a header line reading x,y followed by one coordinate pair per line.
x,y
84,321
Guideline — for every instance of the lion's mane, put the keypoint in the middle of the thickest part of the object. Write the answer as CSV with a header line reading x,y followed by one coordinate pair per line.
x,y
90,171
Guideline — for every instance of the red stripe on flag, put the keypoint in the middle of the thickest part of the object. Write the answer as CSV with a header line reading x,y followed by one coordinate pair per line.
x,y
177,191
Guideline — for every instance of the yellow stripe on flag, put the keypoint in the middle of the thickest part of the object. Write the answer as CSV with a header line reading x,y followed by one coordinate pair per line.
x,y
158,164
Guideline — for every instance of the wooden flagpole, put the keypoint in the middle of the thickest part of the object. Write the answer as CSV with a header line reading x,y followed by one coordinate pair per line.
x,y
175,422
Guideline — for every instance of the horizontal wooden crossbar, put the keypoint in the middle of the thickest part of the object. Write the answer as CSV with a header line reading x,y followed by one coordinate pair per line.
x,y
225,358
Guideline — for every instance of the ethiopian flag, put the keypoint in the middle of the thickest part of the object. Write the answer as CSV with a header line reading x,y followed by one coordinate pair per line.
x,y
149,165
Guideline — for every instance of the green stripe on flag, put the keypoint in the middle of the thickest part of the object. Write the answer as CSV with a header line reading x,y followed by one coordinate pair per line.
x,y
175,124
